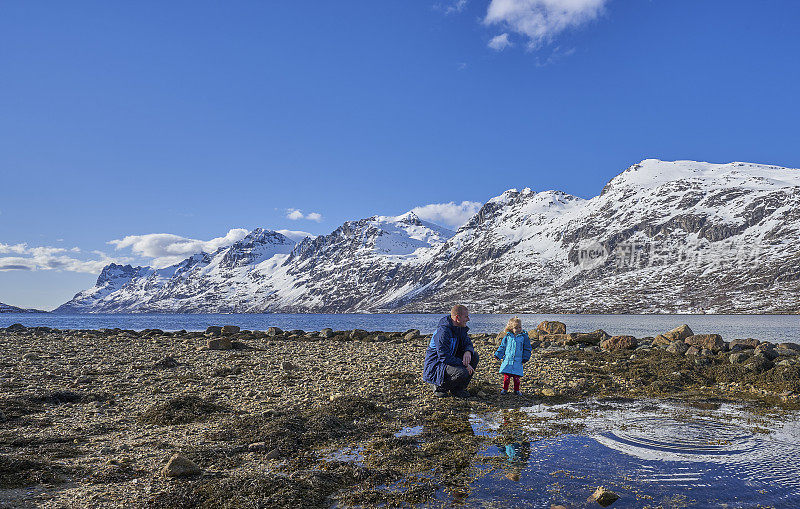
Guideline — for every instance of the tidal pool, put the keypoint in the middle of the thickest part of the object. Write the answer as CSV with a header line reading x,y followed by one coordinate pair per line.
x,y
652,454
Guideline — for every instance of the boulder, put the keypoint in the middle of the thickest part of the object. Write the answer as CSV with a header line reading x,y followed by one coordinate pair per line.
x,y
766,349
603,497
662,340
214,330
552,327
739,357
326,333
591,338
181,466
711,342
274,331
16,327
411,334
744,344
558,339
789,346
759,363
619,343
692,350
220,343
358,334
786,352
679,333
677,348
230,329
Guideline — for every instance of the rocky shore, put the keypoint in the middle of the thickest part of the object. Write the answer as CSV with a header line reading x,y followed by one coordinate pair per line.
x,y
233,418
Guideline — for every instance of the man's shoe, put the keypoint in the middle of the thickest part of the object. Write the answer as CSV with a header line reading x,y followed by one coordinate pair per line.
x,y
440,393
504,391
461,393
517,393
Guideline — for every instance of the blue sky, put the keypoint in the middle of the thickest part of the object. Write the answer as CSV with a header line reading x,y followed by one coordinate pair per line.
x,y
202,120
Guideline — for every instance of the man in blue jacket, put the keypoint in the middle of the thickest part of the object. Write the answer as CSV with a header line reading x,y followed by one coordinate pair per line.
x,y
450,359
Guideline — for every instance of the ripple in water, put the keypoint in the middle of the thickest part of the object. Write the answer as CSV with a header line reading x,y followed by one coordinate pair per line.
x,y
664,454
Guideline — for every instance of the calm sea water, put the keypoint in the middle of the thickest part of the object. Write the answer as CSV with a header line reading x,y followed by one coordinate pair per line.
x,y
656,454
782,328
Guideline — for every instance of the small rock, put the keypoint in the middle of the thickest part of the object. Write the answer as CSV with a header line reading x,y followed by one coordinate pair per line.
x,y
547,391
381,338
273,454
513,476
274,331
30,357
230,329
168,362
180,466
288,366
692,350
257,446
603,497
3,417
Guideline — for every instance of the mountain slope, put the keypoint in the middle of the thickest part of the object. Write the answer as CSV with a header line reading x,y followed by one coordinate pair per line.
x,y
5,308
679,236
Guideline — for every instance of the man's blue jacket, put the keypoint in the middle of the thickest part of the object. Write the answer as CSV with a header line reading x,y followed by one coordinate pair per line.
x,y
447,346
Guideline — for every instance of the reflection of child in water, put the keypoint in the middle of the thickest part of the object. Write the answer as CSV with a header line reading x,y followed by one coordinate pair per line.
x,y
517,455
512,442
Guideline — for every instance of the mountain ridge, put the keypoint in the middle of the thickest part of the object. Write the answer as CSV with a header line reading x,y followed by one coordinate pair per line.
x,y
662,236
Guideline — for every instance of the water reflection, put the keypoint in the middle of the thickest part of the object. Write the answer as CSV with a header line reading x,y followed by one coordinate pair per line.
x,y
662,454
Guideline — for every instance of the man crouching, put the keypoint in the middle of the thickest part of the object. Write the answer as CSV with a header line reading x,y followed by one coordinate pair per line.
x,y
450,359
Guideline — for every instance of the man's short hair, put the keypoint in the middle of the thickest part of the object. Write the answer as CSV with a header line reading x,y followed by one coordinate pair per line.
x,y
458,309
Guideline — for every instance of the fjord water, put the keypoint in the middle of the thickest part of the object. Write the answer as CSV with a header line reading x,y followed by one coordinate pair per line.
x,y
652,454
775,328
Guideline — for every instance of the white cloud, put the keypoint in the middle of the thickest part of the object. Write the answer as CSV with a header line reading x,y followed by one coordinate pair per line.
x,y
452,7
167,249
51,258
296,214
451,214
541,20
295,235
499,42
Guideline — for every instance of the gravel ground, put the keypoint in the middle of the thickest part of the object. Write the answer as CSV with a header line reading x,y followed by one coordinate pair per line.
x,y
91,418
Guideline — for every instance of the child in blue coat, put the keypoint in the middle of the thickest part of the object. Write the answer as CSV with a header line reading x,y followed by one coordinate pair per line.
x,y
514,351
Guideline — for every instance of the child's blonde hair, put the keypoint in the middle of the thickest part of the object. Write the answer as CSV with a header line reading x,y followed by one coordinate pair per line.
x,y
512,323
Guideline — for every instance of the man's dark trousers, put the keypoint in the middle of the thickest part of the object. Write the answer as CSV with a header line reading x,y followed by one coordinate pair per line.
x,y
457,377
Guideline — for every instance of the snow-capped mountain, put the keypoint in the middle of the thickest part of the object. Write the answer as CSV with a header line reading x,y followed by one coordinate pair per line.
x,y
662,236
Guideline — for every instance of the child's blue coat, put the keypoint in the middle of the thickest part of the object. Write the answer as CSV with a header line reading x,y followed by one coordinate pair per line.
x,y
513,351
